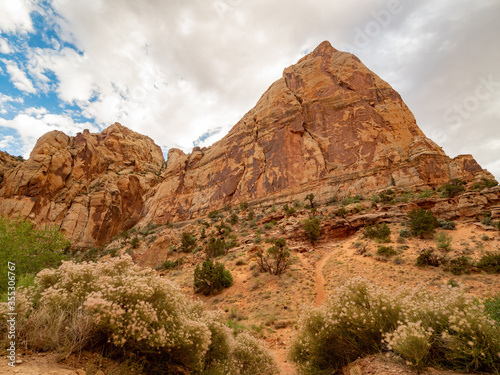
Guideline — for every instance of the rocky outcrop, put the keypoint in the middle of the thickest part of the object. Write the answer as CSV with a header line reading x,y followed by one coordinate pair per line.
x,y
92,185
328,126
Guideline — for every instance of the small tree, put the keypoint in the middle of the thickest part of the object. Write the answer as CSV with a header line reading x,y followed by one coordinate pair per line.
x,y
276,259
188,242
453,188
211,277
422,223
443,241
313,229
310,198
215,247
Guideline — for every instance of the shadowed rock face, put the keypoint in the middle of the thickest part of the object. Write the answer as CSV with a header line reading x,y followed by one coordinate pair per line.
x,y
328,126
91,185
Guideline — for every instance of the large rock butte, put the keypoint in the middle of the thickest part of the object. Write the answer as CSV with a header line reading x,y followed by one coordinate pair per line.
x,y
329,126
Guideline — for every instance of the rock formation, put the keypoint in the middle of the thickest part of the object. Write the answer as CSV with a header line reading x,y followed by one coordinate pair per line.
x,y
329,126
91,185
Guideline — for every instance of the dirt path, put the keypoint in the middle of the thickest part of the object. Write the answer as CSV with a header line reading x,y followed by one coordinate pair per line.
x,y
320,280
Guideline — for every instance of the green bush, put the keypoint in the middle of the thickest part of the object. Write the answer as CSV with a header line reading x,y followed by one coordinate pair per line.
x,y
135,242
244,206
188,242
216,247
445,328
422,223
387,251
211,277
342,212
310,198
289,210
486,220
460,265
387,196
131,310
447,224
215,215
490,262
452,188
312,228
169,265
31,249
484,183
428,258
379,231
223,229
233,219
352,199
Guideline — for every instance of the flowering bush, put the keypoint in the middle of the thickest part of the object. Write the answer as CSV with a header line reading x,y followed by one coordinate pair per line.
x,y
445,328
118,303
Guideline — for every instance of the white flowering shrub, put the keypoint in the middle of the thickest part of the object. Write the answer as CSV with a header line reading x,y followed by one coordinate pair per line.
x,y
447,328
117,303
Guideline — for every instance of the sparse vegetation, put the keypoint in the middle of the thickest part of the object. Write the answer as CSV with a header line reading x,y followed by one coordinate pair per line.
x,y
428,258
443,241
460,265
216,247
490,262
386,251
484,183
447,224
289,210
310,198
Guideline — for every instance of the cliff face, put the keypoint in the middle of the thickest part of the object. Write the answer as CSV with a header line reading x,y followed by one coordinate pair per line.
x,y
328,126
91,185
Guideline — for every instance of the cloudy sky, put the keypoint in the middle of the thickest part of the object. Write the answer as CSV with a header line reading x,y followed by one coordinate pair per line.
x,y
183,72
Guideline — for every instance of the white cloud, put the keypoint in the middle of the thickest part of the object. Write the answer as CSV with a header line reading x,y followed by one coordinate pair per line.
x,y
175,70
5,100
7,141
15,15
35,122
18,77
4,46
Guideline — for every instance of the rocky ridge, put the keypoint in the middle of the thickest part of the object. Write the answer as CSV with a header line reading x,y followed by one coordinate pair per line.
x,y
328,126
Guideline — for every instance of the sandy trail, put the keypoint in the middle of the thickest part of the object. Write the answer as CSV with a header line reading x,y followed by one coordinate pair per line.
x,y
320,280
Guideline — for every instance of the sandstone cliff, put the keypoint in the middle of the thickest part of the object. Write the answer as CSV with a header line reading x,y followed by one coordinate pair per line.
x,y
91,185
328,126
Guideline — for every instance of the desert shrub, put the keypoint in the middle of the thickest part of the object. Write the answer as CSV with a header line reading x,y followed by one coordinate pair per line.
x,y
270,225
312,228
134,242
30,248
486,220
233,219
211,277
276,259
460,265
188,242
379,231
405,233
490,262
376,198
443,241
216,247
169,265
352,199
484,183
250,215
387,196
428,258
445,328
452,188
387,251
342,212
116,303
447,224
492,307
333,200
422,223
243,206
310,198
223,229
289,210
215,215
